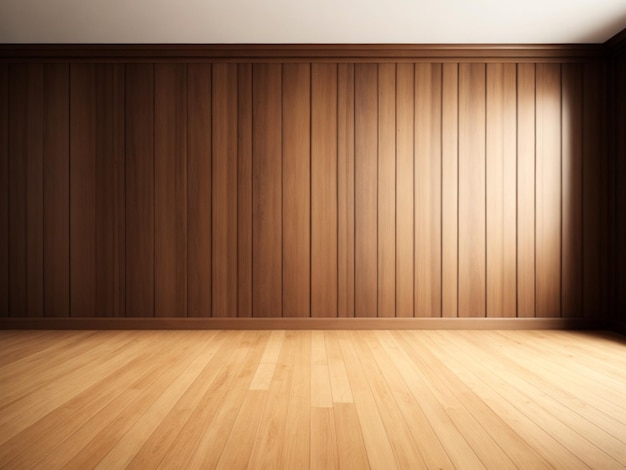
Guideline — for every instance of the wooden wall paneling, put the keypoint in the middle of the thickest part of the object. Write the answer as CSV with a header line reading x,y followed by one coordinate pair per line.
x,y
323,190
56,179
405,189
345,190
30,148
139,130
526,190
224,189
108,148
620,202
366,189
449,189
296,102
572,190
501,195
199,178
428,189
83,187
595,194
266,190
4,190
170,190
244,195
548,190
18,136
387,190
472,190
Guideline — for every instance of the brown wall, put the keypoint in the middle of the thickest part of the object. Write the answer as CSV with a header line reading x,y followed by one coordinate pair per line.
x,y
618,102
267,188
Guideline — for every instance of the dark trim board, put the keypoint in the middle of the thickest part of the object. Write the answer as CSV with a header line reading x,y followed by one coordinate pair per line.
x,y
300,324
352,53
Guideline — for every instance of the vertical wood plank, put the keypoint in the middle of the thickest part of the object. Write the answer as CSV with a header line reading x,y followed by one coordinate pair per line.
x,y
83,187
296,189
34,191
323,190
449,190
595,194
620,160
244,185
224,174
170,190
405,105
108,148
501,197
472,190
366,189
387,190
56,191
199,205
572,202
548,191
345,188
526,190
139,190
4,190
266,191
428,189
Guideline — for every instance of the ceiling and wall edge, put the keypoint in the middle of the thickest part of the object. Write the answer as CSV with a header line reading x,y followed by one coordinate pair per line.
x,y
298,52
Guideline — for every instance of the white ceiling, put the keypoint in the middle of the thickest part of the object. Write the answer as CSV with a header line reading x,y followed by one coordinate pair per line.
x,y
311,21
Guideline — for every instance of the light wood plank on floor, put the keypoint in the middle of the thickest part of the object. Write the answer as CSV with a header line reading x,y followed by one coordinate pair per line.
x,y
312,399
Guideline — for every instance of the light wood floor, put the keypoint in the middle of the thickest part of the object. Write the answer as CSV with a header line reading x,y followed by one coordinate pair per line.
x,y
312,399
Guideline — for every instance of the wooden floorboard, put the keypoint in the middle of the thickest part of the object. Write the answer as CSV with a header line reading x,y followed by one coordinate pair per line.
x,y
312,399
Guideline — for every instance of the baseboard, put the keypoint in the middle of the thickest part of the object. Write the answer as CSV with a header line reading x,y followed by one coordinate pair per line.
x,y
300,323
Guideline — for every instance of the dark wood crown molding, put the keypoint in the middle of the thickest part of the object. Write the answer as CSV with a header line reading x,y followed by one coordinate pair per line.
x,y
299,52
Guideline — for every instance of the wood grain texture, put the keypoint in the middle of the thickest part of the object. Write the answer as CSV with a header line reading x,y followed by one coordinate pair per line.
x,y
595,194
18,97
548,190
323,190
297,146
170,190
244,195
572,190
199,204
110,191
405,190
428,190
4,192
345,190
526,190
100,398
97,245
34,151
139,147
83,190
224,190
56,177
387,190
266,191
366,189
472,202
500,190
449,191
